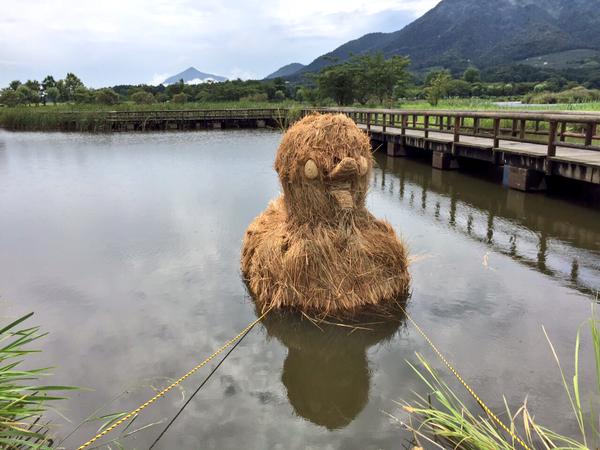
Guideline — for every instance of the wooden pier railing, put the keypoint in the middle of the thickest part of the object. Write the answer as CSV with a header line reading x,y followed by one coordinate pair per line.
x,y
577,130
531,145
196,115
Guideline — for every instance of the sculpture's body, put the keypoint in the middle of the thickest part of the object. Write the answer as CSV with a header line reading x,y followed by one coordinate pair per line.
x,y
316,248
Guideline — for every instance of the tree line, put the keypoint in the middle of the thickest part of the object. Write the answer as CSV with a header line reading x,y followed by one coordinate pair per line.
x,y
66,90
364,79
72,90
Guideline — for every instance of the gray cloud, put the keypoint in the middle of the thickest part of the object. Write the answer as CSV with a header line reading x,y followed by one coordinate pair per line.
x,y
113,42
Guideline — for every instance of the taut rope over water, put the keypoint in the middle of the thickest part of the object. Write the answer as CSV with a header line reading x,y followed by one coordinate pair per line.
x,y
174,384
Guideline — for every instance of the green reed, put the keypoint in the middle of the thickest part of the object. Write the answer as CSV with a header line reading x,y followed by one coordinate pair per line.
x,y
444,421
22,400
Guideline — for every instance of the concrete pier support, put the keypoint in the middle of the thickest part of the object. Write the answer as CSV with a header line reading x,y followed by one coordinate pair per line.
x,y
526,179
396,149
443,161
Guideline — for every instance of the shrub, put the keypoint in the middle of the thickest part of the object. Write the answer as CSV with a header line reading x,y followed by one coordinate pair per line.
x,y
83,95
142,98
180,98
107,96
9,97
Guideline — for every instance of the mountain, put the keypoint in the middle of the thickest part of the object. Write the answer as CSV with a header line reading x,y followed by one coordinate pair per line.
x,y
457,33
285,71
193,76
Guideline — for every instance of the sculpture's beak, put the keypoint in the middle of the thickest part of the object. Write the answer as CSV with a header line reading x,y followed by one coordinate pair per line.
x,y
340,178
346,169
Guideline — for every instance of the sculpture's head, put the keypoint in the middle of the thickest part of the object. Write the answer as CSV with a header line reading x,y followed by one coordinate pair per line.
x,y
324,162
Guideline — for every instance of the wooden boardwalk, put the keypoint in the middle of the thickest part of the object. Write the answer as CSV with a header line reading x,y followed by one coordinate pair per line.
x,y
195,119
532,145
590,157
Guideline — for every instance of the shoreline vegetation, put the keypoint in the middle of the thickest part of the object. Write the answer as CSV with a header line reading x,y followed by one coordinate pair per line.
x,y
443,419
23,401
368,80
91,117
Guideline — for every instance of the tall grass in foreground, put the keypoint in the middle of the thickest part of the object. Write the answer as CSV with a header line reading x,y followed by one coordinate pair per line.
x,y
444,421
22,400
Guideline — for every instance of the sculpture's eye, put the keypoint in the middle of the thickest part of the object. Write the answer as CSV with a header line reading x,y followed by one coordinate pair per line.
x,y
363,165
311,171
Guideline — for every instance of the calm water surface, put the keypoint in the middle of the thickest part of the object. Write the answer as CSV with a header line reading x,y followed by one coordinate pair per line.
x,y
127,248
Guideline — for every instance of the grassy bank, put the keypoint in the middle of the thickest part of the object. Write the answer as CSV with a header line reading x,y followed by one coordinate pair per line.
x,y
91,117
488,105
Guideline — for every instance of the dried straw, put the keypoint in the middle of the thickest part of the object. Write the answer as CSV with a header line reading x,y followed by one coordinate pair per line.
x,y
316,248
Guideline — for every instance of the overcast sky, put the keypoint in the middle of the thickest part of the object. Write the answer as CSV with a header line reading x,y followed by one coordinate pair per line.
x,y
112,42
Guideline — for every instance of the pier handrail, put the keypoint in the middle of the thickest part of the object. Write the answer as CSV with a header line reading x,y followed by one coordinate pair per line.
x,y
578,130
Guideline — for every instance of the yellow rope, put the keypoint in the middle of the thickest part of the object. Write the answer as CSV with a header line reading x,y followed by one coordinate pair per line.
x,y
167,389
487,410
136,411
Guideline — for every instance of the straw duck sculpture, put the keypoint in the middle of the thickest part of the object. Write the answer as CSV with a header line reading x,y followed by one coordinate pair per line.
x,y
317,248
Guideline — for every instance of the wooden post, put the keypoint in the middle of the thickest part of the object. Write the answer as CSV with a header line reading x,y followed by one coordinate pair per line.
x,y
404,123
441,122
589,133
426,126
457,128
476,125
552,138
384,120
414,121
522,129
563,129
496,132
368,121
392,119
514,128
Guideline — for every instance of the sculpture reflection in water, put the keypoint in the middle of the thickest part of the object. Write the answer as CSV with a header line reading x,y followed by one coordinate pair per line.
x,y
326,372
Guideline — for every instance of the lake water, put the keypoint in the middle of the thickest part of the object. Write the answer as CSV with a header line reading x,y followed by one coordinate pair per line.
x,y
127,248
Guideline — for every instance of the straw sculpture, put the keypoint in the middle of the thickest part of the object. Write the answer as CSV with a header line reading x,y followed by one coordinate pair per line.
x,y
317,248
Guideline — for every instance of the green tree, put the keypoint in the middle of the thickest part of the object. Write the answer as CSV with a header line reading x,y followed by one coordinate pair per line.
x,y
279,96
60,85
106,96
52,94
437,86
48,82
161,97
71,83
82,95
9,97
175,88
180,98
34,87
386,77
472,75
24,94
142,98
459,88
338,83
14,85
